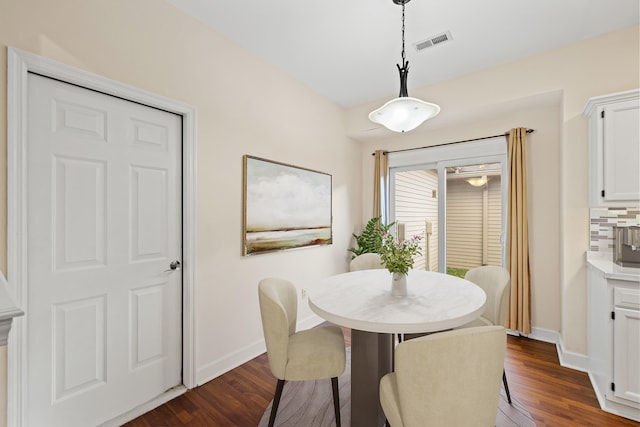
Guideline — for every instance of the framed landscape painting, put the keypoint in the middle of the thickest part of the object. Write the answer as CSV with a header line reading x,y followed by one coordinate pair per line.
x,y
285,207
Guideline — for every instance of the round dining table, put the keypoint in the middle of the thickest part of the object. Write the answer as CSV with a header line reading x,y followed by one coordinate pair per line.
x,y
362,301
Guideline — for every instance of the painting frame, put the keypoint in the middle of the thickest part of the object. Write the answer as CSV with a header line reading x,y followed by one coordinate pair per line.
x,y
284,207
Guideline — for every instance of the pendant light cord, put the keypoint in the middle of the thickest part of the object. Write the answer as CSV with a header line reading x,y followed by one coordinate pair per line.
x,y
404,68
403,55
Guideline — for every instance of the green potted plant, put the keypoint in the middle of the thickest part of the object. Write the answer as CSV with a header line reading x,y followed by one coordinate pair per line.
x,y
370,241
397,257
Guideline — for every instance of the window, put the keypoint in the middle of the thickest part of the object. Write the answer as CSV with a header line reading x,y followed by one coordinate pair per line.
x,y
456,197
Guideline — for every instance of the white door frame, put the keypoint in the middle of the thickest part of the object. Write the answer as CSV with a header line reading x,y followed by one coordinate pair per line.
x,y
20,63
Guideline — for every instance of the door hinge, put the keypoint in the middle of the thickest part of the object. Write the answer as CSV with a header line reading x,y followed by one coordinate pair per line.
x,y
602,193
602,114
613,386
613,315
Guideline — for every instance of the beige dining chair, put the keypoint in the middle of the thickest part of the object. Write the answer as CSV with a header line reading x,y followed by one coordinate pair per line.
x,y
369,261
446,379
310,354
495,281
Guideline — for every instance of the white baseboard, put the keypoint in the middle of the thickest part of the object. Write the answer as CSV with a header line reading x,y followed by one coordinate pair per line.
x,y
231,361
224,364
596,388
607,405
567,359
545,335
218,367
572,360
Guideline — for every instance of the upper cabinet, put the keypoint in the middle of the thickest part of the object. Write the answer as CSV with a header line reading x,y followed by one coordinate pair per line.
x,y
614,148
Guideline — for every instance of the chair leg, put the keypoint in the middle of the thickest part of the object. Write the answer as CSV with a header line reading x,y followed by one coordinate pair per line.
x,y
506,386
336,399
276,402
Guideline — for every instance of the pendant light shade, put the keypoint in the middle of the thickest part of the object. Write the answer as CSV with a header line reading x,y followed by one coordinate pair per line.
x,y
478,181
404,113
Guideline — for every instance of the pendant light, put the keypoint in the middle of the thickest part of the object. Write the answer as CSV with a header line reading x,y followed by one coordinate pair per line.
x,y
478,181
404,113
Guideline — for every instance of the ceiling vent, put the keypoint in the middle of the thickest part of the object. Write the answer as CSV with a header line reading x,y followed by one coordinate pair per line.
x,y
433,41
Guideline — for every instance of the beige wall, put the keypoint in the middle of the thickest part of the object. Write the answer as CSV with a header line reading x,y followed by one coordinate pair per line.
x,y
244,106
546,92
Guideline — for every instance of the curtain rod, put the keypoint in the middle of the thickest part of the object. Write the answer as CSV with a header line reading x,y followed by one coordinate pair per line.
x,y
449,143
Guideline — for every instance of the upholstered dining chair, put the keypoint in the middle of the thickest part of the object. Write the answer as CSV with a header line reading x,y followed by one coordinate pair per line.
x,y
495,281
368,261
310,354
446,379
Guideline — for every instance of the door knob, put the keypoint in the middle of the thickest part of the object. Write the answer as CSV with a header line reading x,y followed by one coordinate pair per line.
x,y
175,265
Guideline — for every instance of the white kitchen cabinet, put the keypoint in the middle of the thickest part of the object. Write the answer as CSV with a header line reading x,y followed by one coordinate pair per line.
x,y
614,338
614,148
626,343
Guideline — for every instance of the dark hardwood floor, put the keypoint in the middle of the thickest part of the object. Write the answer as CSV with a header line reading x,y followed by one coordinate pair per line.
x,y
555,396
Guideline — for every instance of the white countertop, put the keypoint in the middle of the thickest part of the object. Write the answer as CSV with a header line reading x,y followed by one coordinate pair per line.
x,y
8,308
603,261
362,300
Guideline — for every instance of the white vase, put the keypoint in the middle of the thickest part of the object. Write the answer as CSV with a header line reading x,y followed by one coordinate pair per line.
x,y
398,285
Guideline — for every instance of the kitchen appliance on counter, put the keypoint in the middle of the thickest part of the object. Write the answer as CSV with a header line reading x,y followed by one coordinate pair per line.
x,y
626,246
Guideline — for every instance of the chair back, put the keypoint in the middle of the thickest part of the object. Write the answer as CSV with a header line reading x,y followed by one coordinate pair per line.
x,y
369,261
278,309
495,281
451,378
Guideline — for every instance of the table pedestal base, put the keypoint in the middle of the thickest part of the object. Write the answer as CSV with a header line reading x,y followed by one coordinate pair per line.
x,y
371,359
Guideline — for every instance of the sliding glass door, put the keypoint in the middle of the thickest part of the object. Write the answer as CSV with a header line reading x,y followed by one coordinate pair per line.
x,y
473,216
457,202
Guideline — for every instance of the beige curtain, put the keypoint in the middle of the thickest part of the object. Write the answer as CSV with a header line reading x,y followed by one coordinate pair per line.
x,y
519,314
380,171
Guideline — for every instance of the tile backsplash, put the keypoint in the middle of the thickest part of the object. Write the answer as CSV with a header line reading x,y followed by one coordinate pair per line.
x,y
602,221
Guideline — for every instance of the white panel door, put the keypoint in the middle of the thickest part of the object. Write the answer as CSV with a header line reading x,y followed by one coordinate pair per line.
x,y
104,225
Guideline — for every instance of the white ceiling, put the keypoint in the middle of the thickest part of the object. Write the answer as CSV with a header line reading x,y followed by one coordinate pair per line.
x,y
347,50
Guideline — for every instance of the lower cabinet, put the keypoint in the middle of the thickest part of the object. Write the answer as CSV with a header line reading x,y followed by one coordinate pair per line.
x,y
614,343
626,344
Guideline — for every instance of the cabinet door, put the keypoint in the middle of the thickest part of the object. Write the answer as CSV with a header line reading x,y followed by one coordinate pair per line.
x,y
626,354
621,151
